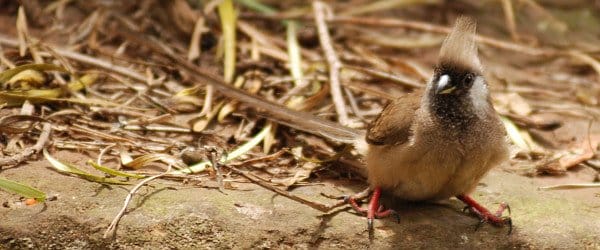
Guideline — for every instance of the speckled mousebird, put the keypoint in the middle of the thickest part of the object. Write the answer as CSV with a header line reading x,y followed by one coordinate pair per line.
x,y
429,145
438,143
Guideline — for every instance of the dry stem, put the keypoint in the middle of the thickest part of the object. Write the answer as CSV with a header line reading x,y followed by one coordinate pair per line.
x,y
113,225
332,60
316,205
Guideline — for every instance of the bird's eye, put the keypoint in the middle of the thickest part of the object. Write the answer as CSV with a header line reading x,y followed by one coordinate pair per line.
x,y
469,78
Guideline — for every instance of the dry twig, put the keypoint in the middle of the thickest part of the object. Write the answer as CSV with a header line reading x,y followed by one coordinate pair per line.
x,y
332,60
316,205
509,17
115,222
26,153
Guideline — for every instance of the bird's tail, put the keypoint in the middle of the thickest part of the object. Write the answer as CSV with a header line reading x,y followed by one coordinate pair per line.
x,y
278,113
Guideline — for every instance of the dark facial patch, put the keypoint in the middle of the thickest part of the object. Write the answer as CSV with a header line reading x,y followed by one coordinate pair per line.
x,y
460,77
454,110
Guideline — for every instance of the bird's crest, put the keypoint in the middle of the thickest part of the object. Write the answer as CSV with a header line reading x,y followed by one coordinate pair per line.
x,y
459,47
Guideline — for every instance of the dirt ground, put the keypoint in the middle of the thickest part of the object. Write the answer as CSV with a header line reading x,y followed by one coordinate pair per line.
x,y
171,215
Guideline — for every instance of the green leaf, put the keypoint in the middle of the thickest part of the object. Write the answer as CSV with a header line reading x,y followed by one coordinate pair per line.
x,y
70,169
22,189
113,172
257,6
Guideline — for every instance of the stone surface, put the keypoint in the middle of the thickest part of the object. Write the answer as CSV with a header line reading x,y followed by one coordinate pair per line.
x,y
170,214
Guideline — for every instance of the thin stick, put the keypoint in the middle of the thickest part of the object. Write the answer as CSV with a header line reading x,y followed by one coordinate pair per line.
x,y
571,186
332,60
316,205
194,48
509,18
102,152
157,128
398,78
26,153
353,104
113,225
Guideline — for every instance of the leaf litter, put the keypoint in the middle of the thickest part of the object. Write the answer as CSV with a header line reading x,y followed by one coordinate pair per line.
x,y
117,80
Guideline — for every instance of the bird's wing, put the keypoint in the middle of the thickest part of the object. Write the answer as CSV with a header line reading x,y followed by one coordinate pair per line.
x,y
393,126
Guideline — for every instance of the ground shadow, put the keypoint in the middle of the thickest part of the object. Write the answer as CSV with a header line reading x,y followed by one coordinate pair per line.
x,y
443,225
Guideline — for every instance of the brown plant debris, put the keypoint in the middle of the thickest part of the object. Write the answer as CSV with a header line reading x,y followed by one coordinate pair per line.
x,y
140,84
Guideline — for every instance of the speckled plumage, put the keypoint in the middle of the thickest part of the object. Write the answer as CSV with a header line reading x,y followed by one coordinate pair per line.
x,y
432,145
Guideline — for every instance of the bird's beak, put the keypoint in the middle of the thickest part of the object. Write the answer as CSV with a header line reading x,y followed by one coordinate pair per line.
x,y
444,87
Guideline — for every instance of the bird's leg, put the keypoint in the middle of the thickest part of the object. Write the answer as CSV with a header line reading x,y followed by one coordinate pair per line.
x,y
358,196
485,215
374,210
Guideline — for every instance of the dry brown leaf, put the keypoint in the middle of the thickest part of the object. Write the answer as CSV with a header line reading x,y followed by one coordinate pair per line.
x,y
16,124
144,160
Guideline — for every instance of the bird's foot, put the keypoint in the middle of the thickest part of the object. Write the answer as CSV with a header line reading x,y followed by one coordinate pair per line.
x,y
485,215
373,210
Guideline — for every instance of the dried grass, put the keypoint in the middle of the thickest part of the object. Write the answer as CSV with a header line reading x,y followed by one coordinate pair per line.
x,y
156,85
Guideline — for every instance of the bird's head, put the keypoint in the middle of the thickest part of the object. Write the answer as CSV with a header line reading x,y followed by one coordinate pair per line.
x,y
458,89
458,67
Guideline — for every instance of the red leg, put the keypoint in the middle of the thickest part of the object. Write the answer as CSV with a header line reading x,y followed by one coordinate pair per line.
x,y
373,207
485,215
355,205
374,210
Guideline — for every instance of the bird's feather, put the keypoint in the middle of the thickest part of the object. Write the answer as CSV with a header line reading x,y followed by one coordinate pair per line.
x,y
393,126
459,47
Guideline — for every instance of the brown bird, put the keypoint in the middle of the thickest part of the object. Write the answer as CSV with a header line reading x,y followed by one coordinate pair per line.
x,y
429,145
438,143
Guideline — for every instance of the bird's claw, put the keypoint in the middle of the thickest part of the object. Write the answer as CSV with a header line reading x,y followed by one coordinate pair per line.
x,y
508,221
374,210
396,215
507,207
485,216
466,208
346,198
504,221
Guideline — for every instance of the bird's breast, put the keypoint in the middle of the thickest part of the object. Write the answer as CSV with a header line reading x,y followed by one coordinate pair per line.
x,y
434,165
413,173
